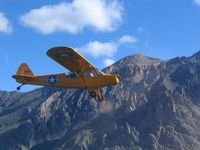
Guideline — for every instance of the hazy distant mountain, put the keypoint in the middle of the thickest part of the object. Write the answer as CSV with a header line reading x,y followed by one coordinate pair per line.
x,y
156,107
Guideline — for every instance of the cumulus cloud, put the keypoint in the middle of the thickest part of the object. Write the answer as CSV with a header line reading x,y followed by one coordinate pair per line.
x,y
101,15
108,61
106,49
126,39
5,25
97,49
197,2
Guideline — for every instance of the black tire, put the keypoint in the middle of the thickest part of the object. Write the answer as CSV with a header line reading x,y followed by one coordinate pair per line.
x,y
93,94
18,88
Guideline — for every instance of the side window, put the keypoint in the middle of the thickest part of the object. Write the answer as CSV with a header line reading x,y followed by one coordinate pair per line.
x,y
88,73
70,75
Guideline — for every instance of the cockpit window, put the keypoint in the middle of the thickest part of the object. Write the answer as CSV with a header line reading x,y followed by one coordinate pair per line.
x,y
89,73
70,75
86,72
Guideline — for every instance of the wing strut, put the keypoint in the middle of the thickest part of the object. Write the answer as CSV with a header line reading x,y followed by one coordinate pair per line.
x,y
81,68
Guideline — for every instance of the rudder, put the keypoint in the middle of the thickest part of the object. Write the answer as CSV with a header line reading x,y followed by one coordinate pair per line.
x,y
24,70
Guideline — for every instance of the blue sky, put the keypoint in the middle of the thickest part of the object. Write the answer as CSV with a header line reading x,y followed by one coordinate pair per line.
x,y
104,31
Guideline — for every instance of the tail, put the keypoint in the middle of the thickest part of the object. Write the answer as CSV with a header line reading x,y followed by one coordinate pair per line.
x,y
24,75
24,70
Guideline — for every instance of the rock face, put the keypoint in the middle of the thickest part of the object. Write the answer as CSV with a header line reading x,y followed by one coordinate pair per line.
x,y
156,107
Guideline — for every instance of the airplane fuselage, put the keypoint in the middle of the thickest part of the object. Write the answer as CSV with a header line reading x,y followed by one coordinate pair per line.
x,y
62,80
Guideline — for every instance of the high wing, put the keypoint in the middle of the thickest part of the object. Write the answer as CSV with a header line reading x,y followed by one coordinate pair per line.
x,y
73,61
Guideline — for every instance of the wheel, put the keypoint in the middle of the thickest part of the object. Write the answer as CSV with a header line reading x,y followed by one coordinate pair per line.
x,y
18,88
93,94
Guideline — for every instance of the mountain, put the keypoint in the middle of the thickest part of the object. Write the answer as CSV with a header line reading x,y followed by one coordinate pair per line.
x,y
156,107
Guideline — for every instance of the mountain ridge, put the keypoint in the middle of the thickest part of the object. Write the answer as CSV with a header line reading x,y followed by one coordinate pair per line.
x,y
156,106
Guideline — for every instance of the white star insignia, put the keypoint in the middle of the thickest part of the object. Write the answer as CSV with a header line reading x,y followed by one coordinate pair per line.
x,y
52,79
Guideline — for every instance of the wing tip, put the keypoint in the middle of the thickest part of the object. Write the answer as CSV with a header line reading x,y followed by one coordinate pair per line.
x,y
49,51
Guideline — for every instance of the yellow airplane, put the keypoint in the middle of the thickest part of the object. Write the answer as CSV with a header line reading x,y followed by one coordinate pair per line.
x,y
83,74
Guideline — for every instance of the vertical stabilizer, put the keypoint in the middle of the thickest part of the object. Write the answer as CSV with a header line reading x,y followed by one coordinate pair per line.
x,y
24,70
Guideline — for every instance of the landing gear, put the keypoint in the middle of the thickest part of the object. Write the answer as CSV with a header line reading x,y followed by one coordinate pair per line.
x,y
19,87
93,94
97,94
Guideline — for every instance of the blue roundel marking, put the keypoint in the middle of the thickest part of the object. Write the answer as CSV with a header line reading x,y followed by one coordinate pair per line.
x,y
52,79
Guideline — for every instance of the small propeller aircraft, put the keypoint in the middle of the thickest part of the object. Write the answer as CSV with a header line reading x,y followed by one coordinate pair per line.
x,y
83,74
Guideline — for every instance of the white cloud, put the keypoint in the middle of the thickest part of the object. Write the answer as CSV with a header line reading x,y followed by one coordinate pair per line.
x,y
106,49
197,2
5,25
126,39
97,49
101,15
108,62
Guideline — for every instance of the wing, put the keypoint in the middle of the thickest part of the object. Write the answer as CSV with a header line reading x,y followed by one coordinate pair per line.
x,y
73,61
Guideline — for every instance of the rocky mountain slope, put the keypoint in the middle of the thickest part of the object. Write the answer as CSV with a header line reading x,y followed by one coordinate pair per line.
x,y
156,107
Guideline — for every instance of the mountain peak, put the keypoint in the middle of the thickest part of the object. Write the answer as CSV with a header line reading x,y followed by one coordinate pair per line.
x,y
195,57
140,59
196,54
